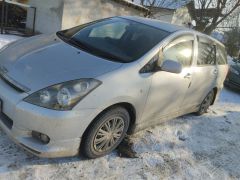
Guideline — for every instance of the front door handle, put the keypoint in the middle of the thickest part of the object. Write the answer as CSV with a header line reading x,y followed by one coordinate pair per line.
x,y
187,76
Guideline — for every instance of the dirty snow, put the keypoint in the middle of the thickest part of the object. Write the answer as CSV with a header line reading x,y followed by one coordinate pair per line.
x,y
189,147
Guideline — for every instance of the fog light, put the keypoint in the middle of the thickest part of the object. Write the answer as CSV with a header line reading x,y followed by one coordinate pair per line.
x,y
40,137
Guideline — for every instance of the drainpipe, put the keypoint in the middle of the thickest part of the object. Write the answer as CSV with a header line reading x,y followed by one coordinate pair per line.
x,y
2,19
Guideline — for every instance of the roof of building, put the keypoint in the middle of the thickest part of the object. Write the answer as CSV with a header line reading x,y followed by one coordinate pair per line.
x,y
170,4
132,4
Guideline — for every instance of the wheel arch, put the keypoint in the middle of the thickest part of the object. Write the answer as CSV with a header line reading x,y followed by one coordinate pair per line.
x,y
128,106
215,90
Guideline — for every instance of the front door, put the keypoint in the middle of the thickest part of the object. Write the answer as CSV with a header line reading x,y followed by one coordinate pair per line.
x,y
168,89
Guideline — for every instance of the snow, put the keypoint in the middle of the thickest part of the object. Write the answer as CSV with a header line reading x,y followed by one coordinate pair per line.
x,y
188,147
5,39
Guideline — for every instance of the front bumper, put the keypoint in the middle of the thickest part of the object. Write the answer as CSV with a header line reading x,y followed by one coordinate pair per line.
x,y
64,128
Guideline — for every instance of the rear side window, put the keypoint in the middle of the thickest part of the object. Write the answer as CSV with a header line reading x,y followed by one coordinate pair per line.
x,y
206,52
221,55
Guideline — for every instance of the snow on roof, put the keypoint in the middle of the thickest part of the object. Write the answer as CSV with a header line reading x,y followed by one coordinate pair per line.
x,y
134,5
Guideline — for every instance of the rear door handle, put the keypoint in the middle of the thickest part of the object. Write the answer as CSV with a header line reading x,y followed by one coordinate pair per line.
x,y
187,76
215,71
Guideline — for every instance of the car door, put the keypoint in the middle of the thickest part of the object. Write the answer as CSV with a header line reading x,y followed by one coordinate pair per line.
x,y
204,73
168,89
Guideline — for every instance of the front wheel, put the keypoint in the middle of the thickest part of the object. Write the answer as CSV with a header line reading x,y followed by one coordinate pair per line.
x,y
206,103
106,133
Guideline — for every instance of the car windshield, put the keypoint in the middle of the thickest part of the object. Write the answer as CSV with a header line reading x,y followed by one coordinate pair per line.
x,y
116,39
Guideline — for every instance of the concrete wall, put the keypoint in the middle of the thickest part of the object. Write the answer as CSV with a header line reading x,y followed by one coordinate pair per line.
x,y
77,12
48,16
163,14
181,17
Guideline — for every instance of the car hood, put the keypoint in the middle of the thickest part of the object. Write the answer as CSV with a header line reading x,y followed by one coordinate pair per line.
x,y
42,61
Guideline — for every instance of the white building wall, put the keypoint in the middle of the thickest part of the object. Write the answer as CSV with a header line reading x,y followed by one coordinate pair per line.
x,y
48,15
77,12
163,15
181,17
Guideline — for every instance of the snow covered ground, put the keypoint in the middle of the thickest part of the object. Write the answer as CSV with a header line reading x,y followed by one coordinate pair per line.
x,y
189,147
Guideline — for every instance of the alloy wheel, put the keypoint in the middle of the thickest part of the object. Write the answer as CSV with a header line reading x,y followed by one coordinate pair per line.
x,y
206,103
108,134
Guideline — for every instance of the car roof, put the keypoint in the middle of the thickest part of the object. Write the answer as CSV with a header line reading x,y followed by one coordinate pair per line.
x,y
156,23
168,27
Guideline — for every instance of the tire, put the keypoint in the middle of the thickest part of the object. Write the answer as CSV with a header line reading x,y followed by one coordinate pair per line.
x,y
105,133
205,103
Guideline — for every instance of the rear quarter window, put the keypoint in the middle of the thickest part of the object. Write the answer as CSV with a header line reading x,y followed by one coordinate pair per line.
x,y
206,52
221,55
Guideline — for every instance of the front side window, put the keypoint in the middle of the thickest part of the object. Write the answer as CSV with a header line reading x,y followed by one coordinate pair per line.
x,y
180,50
116,39
206,52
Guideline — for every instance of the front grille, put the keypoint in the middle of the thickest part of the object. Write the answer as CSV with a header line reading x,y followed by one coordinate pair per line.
x,y
6,120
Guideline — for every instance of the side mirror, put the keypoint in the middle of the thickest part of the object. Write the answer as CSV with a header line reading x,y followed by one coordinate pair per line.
x,y
171,66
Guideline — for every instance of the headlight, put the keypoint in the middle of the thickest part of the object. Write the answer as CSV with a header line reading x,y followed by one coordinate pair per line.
x,y
63,96
234,70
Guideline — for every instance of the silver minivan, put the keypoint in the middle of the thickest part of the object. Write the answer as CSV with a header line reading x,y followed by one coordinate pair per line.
x,y
85,88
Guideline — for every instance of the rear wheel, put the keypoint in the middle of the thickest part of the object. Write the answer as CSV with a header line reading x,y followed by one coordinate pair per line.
x,y
106,133
206,103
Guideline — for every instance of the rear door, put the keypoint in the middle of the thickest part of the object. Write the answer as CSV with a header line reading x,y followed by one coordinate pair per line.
x,y
204,73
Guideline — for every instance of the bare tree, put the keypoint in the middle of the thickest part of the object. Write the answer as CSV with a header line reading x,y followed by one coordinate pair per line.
x,y
208,14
